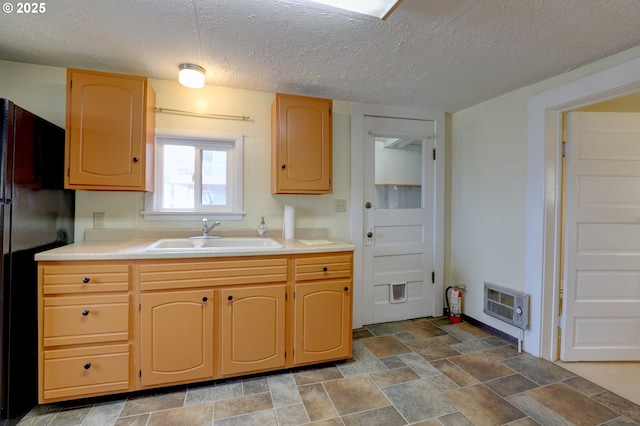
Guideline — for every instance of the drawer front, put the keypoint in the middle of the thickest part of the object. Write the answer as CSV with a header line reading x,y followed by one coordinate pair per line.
x,y
85,319
85,371
323,267
190,274
79,277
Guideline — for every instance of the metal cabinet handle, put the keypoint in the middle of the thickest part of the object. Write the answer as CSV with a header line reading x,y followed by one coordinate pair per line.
x,y
325,269
86,280
136,159
205,298
87,366
346,288
85,312
230,298
369,234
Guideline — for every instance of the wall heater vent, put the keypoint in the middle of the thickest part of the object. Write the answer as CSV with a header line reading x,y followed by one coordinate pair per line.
x,y
507,305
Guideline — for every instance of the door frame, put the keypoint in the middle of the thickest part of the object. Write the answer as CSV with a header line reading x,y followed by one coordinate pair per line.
x,y
356,217
544,193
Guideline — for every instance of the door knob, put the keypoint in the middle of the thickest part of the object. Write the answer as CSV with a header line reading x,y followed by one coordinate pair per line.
x,y
369,234
368,205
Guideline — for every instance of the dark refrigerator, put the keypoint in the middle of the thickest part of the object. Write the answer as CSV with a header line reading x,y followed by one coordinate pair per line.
x,y
36,214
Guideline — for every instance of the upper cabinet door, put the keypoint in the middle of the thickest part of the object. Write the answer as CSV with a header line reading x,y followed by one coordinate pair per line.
x,y
110,132
301,135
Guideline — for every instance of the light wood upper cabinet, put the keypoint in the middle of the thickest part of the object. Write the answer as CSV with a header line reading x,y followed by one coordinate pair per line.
x,y
252,329
110,132
301,150
176,336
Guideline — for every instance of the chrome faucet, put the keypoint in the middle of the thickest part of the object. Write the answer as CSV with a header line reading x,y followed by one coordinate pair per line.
x,y
206,229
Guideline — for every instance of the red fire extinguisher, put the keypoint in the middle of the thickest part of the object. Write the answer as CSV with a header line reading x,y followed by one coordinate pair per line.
x,y
454,303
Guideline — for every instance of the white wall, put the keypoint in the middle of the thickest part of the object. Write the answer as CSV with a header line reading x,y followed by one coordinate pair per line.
x,y
39,89
42,90
488,188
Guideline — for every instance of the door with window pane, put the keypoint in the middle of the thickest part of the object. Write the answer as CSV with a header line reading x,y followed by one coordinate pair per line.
x,y
398,218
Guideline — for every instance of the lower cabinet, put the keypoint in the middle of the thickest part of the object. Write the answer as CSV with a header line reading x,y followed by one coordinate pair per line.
x,y
110,327
322,325
252,329
176,338
77,372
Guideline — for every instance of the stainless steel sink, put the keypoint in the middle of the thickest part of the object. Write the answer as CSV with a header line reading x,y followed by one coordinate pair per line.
x,y
214,245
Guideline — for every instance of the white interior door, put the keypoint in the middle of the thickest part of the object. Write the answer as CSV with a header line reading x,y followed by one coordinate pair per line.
x,y
601,300
398,219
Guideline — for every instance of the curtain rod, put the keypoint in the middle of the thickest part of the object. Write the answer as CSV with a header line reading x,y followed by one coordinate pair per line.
x,y
198,114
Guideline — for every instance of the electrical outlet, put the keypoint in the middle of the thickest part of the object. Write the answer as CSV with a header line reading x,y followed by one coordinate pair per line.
x,y
98,220
341,205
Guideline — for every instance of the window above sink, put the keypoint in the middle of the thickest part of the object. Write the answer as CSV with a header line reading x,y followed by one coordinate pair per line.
x,y
196,174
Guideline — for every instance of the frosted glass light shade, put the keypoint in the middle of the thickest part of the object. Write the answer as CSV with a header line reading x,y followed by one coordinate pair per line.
x,y
191,75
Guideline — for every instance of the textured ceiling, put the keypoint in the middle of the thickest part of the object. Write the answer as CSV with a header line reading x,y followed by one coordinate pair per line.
x,y
436,54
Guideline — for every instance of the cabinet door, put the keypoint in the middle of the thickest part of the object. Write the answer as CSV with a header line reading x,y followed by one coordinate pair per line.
x,y
84,371
106,131
252,328
301,145
322,328
176,336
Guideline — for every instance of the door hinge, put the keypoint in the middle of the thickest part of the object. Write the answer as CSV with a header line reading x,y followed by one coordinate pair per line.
x,y
561,321
564,149
286,296
294,294
434,153
68,171
139,373
285,354
139,307
433,277
70,84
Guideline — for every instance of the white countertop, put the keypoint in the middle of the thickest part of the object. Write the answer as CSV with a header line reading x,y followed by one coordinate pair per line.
x,y
135,249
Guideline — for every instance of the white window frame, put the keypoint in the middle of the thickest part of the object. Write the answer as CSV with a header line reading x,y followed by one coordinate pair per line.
x,y
233,144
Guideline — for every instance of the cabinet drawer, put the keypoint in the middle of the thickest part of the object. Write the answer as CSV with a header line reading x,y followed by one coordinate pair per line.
x,y
323,267
84,278
85,371
188,274
85,319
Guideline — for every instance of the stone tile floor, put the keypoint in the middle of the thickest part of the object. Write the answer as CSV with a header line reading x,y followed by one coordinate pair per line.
x,y
423,372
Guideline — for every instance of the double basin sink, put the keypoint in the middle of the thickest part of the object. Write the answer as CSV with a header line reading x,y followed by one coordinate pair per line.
x,y
212,244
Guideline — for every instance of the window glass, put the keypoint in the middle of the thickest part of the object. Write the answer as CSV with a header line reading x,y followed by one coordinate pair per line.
x,y
178,176
197,176
214,178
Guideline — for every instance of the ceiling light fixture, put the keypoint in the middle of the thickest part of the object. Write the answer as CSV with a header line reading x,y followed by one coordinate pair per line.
x,y
378,8
191,75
